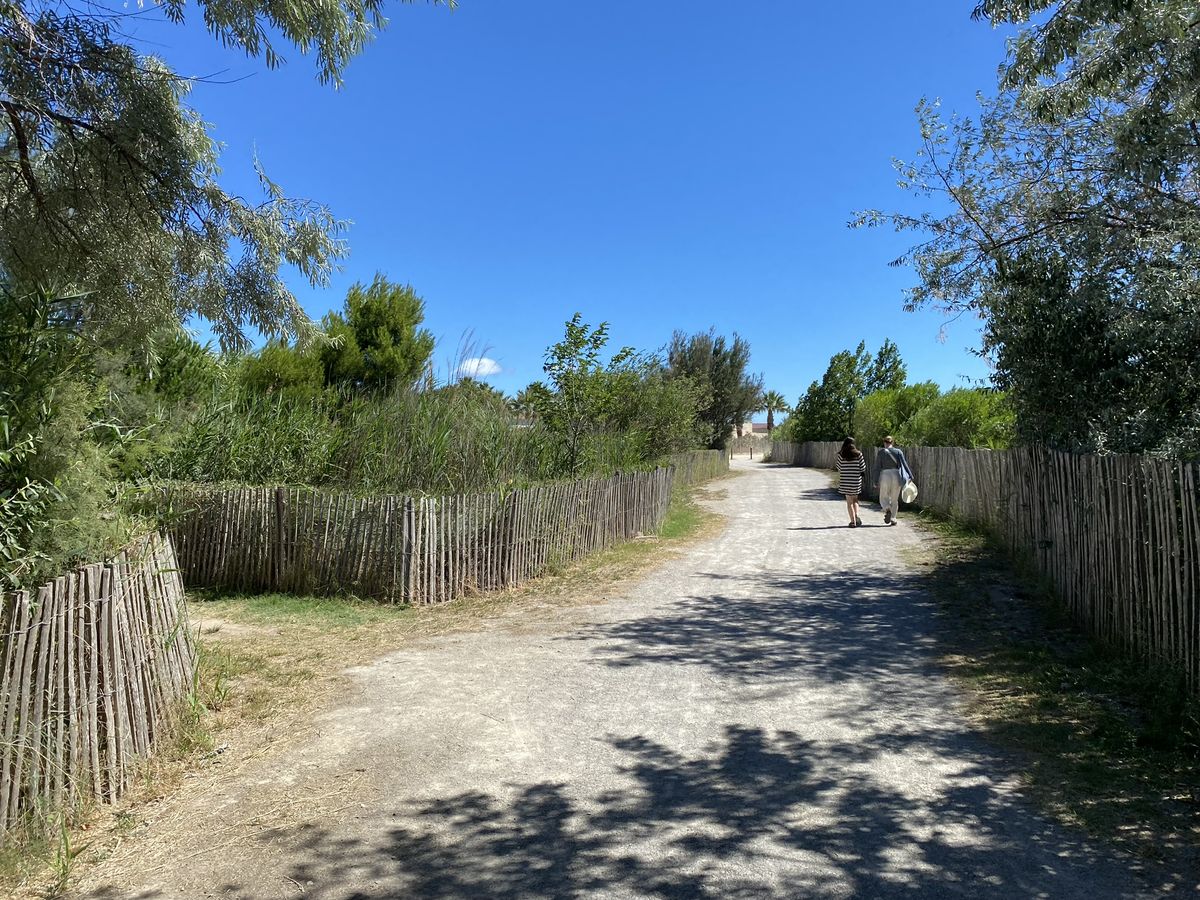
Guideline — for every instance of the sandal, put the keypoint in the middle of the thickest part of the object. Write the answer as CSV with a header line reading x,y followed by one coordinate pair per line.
x,y
858,522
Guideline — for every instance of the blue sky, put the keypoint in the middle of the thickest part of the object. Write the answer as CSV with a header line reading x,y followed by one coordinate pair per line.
x,y
660,166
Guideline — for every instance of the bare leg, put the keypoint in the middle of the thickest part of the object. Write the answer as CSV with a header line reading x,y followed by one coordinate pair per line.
x,y
850,504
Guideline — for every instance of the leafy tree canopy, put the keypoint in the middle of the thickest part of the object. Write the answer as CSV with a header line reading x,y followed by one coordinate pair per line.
x,y
375,343
578,389
1144,52
887,371
181,369
1074,222
718,368
110,180
601,412
340,356
826,412
280,369
525,404
381,342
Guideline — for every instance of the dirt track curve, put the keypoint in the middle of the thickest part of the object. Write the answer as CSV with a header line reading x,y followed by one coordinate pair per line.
x,y
760,718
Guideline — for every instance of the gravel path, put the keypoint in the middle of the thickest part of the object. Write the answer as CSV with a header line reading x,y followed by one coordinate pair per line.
x,y
759,718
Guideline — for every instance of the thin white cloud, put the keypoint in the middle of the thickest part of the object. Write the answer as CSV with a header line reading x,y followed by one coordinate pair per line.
x,y
479,367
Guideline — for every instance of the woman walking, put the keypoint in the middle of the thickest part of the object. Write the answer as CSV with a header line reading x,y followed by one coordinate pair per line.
x,y
852,477
893,472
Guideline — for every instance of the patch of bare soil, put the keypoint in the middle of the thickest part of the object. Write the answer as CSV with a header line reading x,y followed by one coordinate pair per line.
x,y
218,628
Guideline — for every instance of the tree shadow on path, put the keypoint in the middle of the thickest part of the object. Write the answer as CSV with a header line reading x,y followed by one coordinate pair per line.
x,y
833,627
754,815
757,813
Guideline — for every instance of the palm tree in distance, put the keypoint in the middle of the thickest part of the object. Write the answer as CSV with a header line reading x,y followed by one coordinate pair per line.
x,y
524,405
773,402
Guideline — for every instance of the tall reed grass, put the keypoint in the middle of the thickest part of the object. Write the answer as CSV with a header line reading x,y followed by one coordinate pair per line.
x,y
453,439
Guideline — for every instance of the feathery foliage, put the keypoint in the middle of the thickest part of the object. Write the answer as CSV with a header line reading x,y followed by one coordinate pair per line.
x,y
110,187
55,457
1074,222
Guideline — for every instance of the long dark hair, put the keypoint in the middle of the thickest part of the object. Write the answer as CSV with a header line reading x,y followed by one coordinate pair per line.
x,y
849,451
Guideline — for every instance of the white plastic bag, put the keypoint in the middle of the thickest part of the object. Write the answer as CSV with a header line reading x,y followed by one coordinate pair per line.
x,y
908,493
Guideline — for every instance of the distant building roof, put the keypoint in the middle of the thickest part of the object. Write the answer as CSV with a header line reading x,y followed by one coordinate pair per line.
x,y
759,427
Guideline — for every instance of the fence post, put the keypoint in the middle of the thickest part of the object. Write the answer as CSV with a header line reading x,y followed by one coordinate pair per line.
x,y
406,542
280,549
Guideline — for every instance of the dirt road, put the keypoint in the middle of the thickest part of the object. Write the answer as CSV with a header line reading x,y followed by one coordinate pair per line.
x,y
759,718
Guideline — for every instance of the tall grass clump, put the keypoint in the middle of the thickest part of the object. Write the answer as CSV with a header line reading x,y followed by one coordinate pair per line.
x,y
454,439
440,440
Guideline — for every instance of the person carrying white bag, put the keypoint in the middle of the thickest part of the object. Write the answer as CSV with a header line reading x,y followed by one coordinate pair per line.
x,y
895,480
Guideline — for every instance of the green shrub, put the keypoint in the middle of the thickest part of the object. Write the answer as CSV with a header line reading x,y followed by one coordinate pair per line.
x,y
888,411
963,417
920,415
279,369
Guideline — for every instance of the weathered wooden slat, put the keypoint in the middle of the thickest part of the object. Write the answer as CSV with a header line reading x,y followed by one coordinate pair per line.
x,y
12,681
85,684
419,550
31,737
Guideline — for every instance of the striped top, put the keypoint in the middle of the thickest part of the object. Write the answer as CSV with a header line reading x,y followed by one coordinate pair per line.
x,y
852,474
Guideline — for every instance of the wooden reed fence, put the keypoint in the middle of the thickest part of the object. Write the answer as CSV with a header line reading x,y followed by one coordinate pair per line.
x,y
695,466
405,549
95,664
813,454
748,443
1117,536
